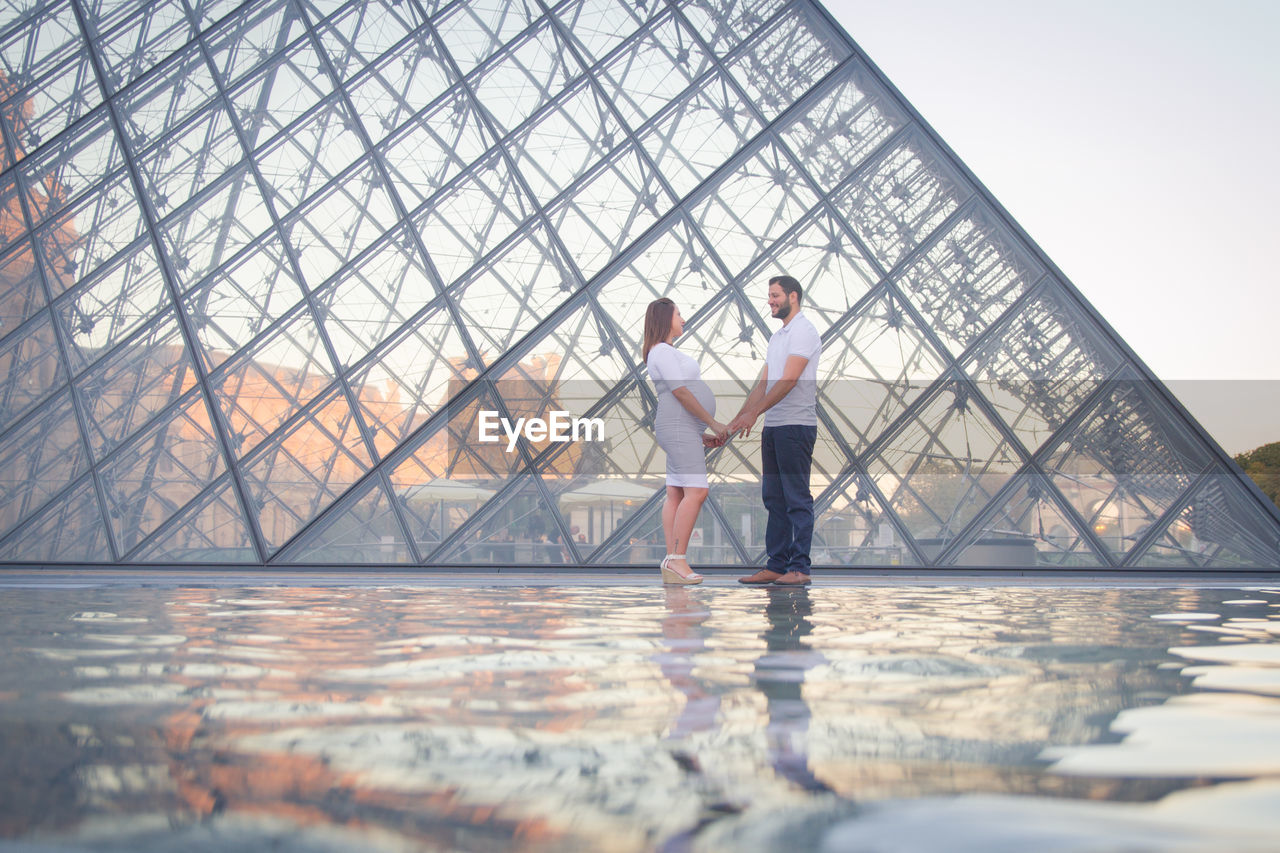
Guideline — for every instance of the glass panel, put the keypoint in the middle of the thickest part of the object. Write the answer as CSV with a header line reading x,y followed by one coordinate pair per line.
x,y
70,167
298,475
597,506
401,84
370,300
211,530
136,382
1039,367
189,160
147,39
364,531
265,387
725,24
30,368
674,264
162,103
220,225
109,310
607,213
1126,463
698,134
309,156
412,380
631,528
1222,527
730,347
253,36
364,31
16,10
652,71
518,84
842,127
21,291
280,94
1029,531
91,233
51,105
968,277
942,468
38,459
562,143
102,15
827,264
475,31
855,530
432,150
873,369
519,528
601,25
148,480
11,216
48,38
567,370
783,63
340,223
69,531
504,300
472,218
239,302
321,9
450,474
208,12
629,451
754,205
895,204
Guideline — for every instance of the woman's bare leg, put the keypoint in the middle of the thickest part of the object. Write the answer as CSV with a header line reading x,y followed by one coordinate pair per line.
x,y
675,494
685,515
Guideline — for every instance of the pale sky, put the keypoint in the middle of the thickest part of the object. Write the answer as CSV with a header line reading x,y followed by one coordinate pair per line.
x,y
1136,142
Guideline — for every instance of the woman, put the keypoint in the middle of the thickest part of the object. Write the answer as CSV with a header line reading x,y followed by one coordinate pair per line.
x,y
685,406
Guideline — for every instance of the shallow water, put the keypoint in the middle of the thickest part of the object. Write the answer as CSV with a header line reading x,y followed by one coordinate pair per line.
x,y
640,718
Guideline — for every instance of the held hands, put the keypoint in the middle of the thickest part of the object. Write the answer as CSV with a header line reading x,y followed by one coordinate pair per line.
x,y
719,436
741,425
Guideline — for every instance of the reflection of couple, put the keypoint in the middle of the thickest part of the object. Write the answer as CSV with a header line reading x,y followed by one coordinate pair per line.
x,y
786,394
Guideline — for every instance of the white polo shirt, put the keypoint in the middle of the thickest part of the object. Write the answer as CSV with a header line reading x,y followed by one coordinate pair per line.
x,y
800,406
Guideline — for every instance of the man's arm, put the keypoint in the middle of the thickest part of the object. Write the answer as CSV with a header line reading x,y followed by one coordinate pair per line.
x,y
756,394
759,403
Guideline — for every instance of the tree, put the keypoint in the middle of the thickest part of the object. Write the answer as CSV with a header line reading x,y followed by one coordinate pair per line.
x,y
1262,464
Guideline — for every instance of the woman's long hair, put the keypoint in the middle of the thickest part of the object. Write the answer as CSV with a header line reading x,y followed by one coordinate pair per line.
x,y
657,323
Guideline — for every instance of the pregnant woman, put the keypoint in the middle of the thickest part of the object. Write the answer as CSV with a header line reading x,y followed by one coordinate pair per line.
x,y
685,406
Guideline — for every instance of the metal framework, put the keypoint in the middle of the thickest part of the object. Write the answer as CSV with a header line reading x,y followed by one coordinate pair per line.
x,y
262,263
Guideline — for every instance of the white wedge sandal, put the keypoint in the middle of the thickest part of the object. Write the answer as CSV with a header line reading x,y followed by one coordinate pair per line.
x,y
670,575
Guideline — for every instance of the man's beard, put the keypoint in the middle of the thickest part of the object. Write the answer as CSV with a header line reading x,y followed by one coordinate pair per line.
x,y
783,312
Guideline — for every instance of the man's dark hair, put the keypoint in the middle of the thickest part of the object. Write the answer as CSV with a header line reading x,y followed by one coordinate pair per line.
x,y
789,285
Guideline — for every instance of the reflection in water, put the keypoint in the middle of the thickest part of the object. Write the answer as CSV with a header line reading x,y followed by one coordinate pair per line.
x,y
779,675
637,718
684,635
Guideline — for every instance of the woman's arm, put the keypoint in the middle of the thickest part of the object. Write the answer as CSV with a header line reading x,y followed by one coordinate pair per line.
x,y
691,404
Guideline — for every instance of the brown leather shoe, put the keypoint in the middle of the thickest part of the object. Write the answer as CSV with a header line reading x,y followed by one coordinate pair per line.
x,y
761,578
793,579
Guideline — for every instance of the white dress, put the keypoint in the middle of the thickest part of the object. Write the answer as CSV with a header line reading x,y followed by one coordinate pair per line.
x,y
679,432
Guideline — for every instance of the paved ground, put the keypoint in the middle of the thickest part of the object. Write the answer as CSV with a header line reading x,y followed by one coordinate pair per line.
x,y
55,577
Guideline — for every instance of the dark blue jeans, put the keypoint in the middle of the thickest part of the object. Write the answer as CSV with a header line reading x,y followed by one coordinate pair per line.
x,y
787,460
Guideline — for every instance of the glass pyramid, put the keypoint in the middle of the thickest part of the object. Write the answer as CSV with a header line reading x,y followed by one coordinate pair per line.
x,y
265,266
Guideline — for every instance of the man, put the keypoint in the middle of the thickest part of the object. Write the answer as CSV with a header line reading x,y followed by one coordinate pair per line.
x,y
787,395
